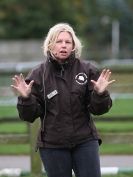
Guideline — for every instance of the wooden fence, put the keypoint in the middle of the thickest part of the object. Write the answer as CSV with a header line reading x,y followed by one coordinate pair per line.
x,y
30,138
27,138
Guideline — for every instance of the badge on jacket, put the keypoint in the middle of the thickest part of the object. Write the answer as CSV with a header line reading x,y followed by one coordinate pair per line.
x,y
52,94
81,78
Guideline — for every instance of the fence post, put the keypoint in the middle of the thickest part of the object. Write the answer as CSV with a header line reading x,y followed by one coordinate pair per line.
x,y
36,165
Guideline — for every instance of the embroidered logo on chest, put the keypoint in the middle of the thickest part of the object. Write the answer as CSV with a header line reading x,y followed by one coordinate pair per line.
x,y
81,78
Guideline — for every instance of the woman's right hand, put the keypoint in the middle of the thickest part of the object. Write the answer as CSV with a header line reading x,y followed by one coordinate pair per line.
x,y
20,87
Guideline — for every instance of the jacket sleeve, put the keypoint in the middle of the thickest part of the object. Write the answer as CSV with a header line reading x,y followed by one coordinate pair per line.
x,y
29,109
32,107
98,104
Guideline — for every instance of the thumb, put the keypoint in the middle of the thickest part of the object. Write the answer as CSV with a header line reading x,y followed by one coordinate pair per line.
x,y
31,83
93,82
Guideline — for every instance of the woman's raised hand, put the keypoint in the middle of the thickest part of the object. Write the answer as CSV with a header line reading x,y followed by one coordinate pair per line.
x,y
20,87
103,81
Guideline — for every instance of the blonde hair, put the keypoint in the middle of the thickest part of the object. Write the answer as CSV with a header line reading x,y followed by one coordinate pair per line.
x,y
53,34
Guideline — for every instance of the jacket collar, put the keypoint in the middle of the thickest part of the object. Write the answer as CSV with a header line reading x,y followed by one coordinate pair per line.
x,y
68,62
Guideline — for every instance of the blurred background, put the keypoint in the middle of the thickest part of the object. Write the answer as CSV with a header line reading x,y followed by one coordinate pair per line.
x,y
105,28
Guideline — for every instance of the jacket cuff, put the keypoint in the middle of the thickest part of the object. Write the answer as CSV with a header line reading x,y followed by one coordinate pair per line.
x,y
26,101
97,96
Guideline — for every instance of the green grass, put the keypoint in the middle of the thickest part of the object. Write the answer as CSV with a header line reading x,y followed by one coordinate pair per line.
x,y
14,149
6,80
121,108
24,149
116,126
116,149
8,111
103,127
14,127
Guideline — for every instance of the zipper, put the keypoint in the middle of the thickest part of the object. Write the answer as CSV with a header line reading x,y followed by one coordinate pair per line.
x,y
62,70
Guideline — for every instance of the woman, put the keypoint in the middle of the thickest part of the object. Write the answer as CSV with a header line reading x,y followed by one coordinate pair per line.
x,y
63,92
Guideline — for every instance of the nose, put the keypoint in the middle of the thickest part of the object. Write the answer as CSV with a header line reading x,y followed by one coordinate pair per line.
x,y
63,44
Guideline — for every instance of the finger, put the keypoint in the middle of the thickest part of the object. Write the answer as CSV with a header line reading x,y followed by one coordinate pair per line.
x,y
14,89
103,73
31,83
22,77
15,80
93,82
112,81
107,75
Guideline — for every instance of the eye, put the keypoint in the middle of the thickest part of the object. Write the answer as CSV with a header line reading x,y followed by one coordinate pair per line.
x,y
59,41
68,42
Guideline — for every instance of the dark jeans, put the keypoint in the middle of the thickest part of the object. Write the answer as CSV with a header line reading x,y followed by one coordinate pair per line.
x,y
83,159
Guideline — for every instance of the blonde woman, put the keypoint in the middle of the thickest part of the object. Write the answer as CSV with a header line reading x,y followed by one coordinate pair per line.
x,y
63,92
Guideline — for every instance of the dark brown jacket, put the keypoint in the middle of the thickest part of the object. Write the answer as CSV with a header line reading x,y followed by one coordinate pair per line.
x,y
63,97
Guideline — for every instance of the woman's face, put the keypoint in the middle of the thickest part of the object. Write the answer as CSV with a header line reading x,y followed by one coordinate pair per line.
x,y
63,46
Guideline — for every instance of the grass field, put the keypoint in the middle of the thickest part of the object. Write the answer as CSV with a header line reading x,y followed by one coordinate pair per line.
x,y
117,149
13,127
114,127
24,149
121,108
103,127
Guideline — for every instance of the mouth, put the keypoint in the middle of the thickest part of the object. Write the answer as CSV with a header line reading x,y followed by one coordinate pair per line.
x,y
63,53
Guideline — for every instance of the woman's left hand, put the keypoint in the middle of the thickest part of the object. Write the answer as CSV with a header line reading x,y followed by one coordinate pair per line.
x,y
103,81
